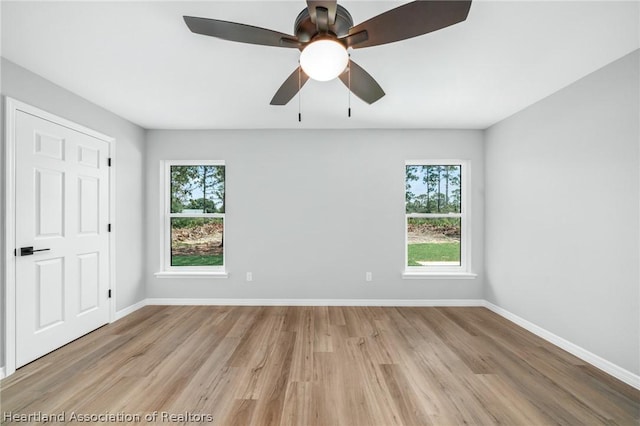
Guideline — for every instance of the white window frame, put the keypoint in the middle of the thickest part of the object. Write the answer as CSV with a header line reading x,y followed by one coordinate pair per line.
x,y
462,271
166,270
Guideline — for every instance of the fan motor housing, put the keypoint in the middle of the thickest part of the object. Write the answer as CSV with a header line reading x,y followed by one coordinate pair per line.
x,y
305,30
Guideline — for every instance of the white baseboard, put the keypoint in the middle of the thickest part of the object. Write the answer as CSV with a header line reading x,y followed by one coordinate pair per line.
x,y
593,359
318,302
1,373
130,309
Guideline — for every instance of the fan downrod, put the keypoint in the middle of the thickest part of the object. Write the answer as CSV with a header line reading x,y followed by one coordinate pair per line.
x,y
306,30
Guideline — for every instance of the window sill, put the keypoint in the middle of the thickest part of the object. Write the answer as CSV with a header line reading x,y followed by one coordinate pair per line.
x,y
421,275
192,274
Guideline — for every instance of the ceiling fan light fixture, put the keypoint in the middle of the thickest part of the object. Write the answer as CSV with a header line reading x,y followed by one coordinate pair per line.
x,y
324,31
324,59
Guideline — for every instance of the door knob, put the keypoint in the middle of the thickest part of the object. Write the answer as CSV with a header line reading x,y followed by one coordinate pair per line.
x,y
28,251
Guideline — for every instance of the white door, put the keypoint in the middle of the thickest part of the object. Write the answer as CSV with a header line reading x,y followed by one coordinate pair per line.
x,y
62,212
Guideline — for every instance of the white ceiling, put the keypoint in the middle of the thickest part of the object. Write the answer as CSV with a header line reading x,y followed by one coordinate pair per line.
x,y
139,60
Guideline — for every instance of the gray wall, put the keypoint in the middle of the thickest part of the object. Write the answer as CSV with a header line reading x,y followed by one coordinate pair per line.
x,y
309,212
25,86
562,213
562,208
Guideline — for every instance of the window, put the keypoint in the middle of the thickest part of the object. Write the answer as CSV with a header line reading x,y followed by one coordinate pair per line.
x,y
436,218
194,214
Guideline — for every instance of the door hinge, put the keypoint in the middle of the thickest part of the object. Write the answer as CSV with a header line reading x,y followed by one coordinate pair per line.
x,y
109,293
109,228
109,161
15,252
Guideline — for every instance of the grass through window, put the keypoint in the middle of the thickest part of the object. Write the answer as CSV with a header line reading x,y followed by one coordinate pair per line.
x,y
429,253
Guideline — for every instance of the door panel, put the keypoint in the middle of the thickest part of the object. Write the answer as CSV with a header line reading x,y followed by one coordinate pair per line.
x,y
88,156
89,274
89,202
49,146
49,296
49,195
62,207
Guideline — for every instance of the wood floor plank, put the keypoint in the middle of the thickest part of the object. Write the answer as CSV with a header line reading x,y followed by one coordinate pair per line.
x,y
492,392
327,403
319,366
409,409
241,412
270,404
371,380
458,339
296,410
336,315
322,341
258,352
303,353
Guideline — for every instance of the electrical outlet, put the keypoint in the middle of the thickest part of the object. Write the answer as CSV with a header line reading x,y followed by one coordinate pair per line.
x,y
249,276
368,276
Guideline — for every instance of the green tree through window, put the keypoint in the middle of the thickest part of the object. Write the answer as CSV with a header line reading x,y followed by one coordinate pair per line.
x,y
196,216
433,200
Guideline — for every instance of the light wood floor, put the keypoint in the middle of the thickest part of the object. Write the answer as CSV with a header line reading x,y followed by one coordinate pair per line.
x,y
321,366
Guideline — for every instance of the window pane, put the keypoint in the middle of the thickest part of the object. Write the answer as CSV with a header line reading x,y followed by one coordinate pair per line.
x,y
433,242
432,189
196,241
197,189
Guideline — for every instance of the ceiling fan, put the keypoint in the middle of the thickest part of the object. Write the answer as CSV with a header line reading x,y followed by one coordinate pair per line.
x,y
324,31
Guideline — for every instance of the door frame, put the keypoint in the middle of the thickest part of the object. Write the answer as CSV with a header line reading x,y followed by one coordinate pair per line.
x,y
11,107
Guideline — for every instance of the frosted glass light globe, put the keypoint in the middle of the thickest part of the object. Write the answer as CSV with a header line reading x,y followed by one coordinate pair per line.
x,y
324,60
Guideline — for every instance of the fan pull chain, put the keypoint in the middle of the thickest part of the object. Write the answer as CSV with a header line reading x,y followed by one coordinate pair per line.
x,y
299,94
349,79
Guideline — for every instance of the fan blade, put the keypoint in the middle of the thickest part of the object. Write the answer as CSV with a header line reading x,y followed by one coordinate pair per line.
x,y
331,6
355,38
411,20
362,84
290,87
239,32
